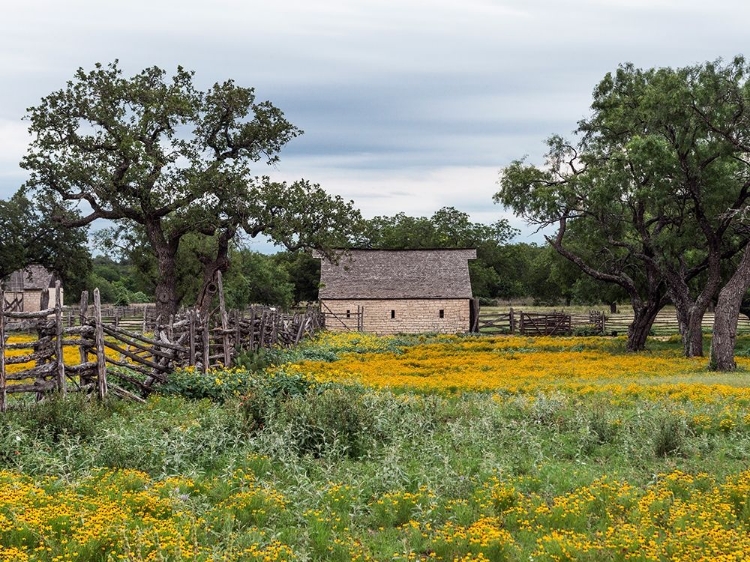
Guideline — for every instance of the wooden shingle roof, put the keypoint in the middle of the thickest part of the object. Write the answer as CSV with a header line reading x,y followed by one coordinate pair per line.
x,y
397,274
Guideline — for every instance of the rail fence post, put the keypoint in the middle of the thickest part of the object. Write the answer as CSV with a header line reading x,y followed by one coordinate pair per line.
x,y
61,381
101,366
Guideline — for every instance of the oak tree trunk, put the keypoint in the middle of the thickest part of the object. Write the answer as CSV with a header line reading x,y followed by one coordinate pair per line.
x,y
726,315
166,284
644,315
211,265
690,320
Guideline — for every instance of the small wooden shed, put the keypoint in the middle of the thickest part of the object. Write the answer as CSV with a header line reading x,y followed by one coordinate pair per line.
x,y
397,291
30,289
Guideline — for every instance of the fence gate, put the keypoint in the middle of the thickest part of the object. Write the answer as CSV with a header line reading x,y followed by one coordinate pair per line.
x,y
549,324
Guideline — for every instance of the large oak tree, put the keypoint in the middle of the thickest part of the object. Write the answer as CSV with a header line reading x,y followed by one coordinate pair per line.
x,y
652,188
159,157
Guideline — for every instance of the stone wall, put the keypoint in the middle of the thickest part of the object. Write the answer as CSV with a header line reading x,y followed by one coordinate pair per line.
x,y
410,316
32,299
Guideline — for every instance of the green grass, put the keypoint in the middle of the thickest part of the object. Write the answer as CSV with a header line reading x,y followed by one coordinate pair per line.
x,y
376,469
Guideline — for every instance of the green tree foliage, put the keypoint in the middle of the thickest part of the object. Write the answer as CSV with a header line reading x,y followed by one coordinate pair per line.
x,y
32,235
256,278
117,282
304,274
644,198
166,161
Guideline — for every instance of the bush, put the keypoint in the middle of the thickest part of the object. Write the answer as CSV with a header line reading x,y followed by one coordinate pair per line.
x,y
57,417
334,421
670,436
255,361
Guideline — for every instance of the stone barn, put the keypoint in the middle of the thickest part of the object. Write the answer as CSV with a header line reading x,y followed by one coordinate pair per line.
x,y
397,291
27,290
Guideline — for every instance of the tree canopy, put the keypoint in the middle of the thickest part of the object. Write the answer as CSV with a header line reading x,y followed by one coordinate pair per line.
x,y
31,236
165,160
647,195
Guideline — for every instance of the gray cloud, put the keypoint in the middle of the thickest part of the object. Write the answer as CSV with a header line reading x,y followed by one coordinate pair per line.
x,y
406,105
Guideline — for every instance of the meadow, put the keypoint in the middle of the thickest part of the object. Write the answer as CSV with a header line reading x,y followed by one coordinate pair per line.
x,y
354,447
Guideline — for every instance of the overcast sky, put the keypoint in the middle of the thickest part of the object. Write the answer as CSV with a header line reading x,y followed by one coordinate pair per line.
x,y
406,106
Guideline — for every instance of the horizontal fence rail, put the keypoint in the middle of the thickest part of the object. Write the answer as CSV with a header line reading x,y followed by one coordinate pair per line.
x,y
595,322
86,350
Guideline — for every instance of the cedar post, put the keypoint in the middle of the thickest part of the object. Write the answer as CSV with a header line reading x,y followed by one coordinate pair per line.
x,y
84,307
252,329
224,322
206,343
301,329
61,382
262,329
44,300
101,367
191,336
3,392
83,311
512,318
238,330
275,328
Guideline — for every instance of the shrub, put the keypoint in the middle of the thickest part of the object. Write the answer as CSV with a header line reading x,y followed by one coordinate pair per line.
x,y
334,421
255,361
216,385
669,436
56,417
587,330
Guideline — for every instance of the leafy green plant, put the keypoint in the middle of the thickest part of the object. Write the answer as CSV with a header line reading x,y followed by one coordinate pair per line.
x,y
259,360
336,420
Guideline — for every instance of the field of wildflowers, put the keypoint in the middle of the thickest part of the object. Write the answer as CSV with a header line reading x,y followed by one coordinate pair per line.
x,y
522,365
354,447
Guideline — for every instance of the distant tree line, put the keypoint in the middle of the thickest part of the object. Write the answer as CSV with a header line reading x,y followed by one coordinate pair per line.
x,y
503,271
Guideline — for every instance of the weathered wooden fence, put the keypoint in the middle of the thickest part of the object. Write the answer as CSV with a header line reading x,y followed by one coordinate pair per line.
x,y
102,355
595,322
138,317
540,323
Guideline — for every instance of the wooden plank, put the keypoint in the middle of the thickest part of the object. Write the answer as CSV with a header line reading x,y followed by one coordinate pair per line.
x,y
62,386
135,357
37,386
206,344
30,315
121,334
153,349
101,365
75,369
40,371
148,372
